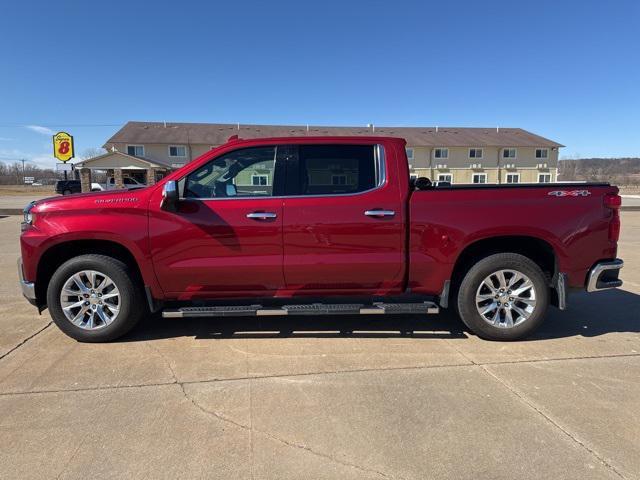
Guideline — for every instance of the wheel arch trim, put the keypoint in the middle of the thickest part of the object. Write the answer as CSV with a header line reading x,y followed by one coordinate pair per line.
x,y
63,248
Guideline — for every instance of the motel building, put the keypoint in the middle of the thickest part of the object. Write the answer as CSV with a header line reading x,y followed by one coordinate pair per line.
x,y
147,151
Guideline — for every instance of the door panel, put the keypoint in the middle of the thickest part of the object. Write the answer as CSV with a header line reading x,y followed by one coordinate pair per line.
x,y
330,245
210,248
225,239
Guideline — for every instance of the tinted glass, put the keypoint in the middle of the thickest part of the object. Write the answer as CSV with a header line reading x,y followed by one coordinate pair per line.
x,y
479,179
177,151
135,150
336,169
234,175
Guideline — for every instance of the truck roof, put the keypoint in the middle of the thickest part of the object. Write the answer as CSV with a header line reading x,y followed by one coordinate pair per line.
x,y
360,139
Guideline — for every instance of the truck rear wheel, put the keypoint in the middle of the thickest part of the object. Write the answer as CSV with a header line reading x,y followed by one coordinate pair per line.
x,y
503,297
95,298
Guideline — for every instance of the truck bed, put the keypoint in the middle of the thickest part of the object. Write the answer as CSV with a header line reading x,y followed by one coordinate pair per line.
x,y
569,218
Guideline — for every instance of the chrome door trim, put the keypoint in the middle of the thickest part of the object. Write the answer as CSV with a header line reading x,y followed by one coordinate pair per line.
x,y
261,215
379,213
381,167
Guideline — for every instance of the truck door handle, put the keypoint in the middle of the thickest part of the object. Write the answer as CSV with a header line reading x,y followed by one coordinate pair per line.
x,y
379,213
261,215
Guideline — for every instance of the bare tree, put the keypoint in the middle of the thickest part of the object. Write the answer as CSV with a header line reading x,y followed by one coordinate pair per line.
x,y
92,152
622,171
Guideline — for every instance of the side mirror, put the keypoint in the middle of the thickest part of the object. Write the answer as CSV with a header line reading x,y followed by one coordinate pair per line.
x,y
169,196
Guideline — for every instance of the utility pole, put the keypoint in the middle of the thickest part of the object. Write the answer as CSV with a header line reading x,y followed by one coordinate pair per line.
x,y
23,171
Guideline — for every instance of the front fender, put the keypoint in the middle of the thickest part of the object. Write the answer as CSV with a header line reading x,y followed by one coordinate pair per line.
x,y
114,222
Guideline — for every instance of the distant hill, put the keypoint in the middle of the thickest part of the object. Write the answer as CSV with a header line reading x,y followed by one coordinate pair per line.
x,y
619,171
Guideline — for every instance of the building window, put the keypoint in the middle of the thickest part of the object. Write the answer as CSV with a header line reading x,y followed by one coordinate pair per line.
x,y
177,151
544,178
445,177
410,155
479,178
441,153
513,178
135,150
509,153
260,180
338,179
475,153
542,153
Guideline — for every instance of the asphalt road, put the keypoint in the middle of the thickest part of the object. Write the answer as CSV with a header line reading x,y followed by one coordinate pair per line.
x,y
231,398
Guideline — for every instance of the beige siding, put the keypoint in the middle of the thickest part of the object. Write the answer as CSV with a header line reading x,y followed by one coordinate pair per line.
x,y
197,150
530,175
465,175
115,161
424,163
526,158
160,152
421,157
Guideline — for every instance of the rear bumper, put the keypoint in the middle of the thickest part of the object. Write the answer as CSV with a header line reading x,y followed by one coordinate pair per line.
x,y
28,288
604,275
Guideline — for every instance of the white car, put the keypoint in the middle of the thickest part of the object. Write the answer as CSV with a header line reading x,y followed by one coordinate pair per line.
x,y
129,183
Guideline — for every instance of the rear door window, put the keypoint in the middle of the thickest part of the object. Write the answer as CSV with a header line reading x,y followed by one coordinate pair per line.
x,y
333,170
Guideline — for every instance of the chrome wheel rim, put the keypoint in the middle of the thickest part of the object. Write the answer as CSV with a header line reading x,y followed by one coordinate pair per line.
x,y
90,300
506,298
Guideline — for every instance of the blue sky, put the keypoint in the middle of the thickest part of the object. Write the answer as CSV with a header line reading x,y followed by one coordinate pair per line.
x,y
568,70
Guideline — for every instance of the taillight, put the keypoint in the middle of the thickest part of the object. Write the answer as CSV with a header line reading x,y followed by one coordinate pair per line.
x,y
613,201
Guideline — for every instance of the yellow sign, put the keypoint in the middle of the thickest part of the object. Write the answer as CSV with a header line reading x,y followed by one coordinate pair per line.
x,y
63,146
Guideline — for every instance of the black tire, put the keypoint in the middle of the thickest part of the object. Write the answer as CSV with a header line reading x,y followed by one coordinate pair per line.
x,y
66,192
466,304
132,302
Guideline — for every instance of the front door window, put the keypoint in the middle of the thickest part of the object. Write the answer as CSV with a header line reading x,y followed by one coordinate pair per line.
x,y
247,172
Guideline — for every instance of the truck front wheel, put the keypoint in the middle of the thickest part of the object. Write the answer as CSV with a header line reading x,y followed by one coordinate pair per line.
x,y
94,298
503,297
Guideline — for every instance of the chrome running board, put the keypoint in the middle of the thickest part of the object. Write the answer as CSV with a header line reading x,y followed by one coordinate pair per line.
x,y
379,308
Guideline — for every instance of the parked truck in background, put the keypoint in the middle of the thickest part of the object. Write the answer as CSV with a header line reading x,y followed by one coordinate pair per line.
x,y
316,225
67,187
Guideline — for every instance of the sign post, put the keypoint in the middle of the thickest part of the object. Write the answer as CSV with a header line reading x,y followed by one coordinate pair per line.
x,y
63,148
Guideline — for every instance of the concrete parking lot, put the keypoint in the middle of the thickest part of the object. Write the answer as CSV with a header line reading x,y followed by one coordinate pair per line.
x,y
403,397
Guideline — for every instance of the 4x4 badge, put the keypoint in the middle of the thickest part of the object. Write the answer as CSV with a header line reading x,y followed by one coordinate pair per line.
x,y
570,193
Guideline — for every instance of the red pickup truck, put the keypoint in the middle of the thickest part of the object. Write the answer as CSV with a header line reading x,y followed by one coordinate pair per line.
x,y
316,225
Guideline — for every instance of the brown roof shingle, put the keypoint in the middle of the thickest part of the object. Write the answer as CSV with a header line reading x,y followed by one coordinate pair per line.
x,y
218,133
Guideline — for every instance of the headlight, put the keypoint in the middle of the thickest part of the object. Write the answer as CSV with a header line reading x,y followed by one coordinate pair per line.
x,y
27,215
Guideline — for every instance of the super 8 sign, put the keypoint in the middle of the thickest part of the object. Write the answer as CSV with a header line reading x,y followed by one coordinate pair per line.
x,y
63,146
